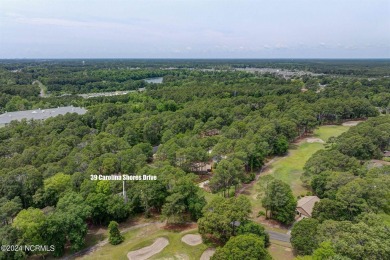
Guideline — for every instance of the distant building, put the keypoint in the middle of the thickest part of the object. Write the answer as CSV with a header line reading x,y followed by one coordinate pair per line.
x,y
305,206
211,132
376,164
202,167
39,114
386,154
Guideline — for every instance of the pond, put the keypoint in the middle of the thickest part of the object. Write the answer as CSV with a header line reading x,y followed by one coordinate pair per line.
x,y
156,80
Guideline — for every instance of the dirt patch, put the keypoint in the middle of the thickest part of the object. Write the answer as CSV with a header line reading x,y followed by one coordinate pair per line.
x,y
272,223
378,163
314,140
351,123
149,230
192,239
149,251
207,254
180,227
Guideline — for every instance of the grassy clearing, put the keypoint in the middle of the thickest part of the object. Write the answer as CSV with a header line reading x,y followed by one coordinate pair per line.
x,y
145,236
210,196
290,168
324,132
280,250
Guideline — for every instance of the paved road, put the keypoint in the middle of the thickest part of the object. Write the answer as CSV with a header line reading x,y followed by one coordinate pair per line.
x,y
279,236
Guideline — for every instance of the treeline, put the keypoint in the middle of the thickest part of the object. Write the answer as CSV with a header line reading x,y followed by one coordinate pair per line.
x,y
72,77
352,220
98,80
349,67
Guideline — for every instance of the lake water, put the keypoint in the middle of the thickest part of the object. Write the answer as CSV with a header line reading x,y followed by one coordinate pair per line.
x,y
156,80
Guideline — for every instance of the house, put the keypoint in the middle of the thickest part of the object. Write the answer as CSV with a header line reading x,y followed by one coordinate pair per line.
x,y
211,132
386,154
305,206
39,114
202,167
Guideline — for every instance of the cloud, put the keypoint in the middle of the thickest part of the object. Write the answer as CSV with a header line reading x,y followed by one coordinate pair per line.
x,y
63,22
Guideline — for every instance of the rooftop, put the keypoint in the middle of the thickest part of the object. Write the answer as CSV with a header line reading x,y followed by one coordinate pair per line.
x,y
39,114
307,203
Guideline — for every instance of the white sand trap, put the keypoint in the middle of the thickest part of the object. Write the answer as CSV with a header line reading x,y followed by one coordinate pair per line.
x,y
314,140
192,240
351,123
149,251
207,254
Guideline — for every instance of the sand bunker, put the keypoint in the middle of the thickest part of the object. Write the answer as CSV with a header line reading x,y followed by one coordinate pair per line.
x,y
192,240
149,251
207,254
314,140
351,123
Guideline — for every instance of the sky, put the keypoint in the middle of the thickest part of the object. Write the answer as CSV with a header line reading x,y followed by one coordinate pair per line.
x,y
194,29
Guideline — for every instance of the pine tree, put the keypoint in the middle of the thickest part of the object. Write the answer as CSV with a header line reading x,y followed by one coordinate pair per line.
x,y
115,236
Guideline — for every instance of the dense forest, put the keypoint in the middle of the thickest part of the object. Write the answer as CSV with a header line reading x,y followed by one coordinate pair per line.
x,y
234,119
352,219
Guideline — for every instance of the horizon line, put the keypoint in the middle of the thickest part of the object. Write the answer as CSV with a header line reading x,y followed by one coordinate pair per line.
x,y
110,58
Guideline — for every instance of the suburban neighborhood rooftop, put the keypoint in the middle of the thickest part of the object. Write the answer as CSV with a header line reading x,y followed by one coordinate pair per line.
x,y
39,114
306,204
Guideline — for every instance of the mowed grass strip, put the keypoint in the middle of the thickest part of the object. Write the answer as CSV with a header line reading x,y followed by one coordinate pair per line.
x,y
290,167
280,250
145,236
324,132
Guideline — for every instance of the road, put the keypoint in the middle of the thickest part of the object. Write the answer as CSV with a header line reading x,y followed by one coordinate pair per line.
x,y
278,236
42,87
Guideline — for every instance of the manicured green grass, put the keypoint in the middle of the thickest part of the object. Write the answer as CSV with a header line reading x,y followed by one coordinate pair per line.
x,y
290,168
145,236
324,132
